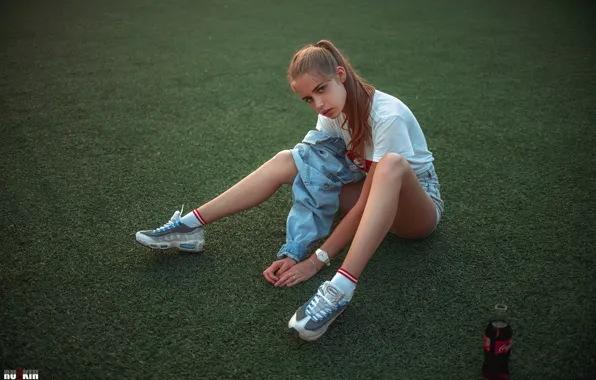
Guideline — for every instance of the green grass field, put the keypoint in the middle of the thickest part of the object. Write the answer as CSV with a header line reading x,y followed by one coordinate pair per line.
x,y
114,113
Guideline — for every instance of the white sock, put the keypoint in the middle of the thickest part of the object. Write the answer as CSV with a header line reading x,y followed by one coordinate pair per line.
x,y
346,282
193,219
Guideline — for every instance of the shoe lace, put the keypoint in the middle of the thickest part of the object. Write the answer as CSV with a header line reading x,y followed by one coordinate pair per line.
x,y
320,307
173,222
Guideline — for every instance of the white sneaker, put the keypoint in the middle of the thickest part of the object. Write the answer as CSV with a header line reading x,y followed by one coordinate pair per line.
x,y
313,318
174,234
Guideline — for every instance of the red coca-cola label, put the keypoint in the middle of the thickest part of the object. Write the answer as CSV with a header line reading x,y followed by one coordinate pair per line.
x,y
503,346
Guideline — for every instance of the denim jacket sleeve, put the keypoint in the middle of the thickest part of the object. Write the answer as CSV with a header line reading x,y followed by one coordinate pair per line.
x,y
323,169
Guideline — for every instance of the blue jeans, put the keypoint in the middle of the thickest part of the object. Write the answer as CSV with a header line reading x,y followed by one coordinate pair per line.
x,y
430,183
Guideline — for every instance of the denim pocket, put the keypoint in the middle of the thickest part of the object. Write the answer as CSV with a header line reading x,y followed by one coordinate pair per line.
x,y
315,178
319,169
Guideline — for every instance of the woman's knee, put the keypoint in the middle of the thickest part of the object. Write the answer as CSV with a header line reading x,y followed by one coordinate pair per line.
x,y
283,156
392,165
284,162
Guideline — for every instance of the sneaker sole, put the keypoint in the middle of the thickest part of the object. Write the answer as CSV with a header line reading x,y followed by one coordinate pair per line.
x,y
317,335
194,246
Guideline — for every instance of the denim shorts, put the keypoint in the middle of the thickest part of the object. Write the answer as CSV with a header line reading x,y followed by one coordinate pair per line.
x,y
430,183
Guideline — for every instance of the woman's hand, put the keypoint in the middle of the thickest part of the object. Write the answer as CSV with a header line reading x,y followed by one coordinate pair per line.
x,y
278,268
297,274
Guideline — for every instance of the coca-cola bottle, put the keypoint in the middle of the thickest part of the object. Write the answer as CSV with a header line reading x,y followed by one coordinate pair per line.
x,y
497,345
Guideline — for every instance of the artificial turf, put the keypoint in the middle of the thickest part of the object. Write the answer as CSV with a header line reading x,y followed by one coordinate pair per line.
x,y
114,113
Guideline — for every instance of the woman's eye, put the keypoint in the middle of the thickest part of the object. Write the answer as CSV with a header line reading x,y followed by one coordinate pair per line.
x,y
320,90
308,100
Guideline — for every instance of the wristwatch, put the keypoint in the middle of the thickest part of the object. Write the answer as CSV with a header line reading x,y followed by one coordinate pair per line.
x,y
323,256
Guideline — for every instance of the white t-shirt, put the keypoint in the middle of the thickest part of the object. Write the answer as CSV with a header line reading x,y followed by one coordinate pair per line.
x,y
394,129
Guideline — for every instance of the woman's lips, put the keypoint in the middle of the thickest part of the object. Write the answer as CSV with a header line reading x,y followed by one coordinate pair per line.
x,y
327,112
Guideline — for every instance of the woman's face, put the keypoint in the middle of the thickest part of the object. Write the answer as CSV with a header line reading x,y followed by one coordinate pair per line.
x,y
326,96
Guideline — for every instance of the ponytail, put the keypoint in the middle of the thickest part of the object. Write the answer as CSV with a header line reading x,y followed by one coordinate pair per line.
x,y
324,58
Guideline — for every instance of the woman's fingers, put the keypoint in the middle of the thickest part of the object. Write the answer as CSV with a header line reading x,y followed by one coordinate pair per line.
x,y
284,279
290,273
289,279
284,267
268,277
301,274
296,281
269,273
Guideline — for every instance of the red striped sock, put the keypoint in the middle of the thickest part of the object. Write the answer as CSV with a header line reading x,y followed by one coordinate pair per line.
x,y
345,281
348,275
199,217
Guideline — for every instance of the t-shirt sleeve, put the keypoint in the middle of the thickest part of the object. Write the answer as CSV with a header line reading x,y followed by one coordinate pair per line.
x,y
391,136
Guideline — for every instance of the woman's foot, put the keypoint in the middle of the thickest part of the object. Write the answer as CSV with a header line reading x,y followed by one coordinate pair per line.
x,y
173,234
313,318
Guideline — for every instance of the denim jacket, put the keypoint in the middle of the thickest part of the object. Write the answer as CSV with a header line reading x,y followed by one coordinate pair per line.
x,y
323,168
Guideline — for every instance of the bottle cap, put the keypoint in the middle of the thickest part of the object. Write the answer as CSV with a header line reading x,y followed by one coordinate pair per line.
x,y
501,308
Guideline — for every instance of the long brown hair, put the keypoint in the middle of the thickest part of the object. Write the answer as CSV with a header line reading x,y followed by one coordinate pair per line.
x,y
324,58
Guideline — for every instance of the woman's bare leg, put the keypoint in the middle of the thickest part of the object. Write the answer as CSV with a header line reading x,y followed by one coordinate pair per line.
x,y
349,196
254,189
396,202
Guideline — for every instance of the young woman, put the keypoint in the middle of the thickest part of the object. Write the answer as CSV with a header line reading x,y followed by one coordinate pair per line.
x,y
400,193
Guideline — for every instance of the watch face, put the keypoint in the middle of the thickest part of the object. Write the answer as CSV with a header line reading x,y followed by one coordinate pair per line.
x,y
322,255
